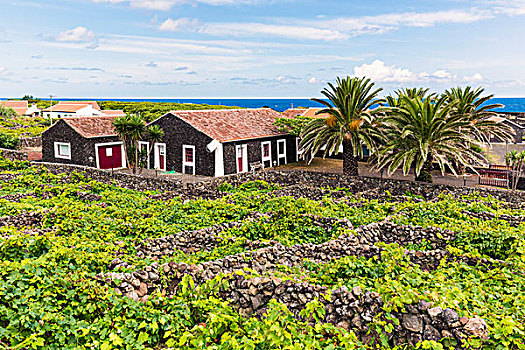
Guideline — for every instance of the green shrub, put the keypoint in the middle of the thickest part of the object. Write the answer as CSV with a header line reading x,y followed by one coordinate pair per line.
x,y
9,141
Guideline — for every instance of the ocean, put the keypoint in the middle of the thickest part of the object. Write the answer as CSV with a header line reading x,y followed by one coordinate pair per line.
x,y
510,104
282,104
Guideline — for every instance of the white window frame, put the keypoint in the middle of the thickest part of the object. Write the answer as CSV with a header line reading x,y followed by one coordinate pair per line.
x,y
122,153
297,152
57,150
244,159
157,156
142,143
279,155
269,158
184,162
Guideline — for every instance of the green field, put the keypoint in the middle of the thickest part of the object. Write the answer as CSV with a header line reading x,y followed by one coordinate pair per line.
x,y
49,298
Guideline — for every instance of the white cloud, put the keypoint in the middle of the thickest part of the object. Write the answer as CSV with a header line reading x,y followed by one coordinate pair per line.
x,y
442,74
272,30
379,72
387,22
77,35
3,71
165,5
341,28
476,78
507,7
178,25
161,5
251,29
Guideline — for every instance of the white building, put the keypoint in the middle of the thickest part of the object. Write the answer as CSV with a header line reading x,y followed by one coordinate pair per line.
x,y
22,108
66,109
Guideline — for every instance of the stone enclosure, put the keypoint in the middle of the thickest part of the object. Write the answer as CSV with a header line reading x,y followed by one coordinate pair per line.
x,y
252,283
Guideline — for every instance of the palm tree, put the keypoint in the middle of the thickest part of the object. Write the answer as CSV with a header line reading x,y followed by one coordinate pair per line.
x,y
350,122
475,108
121,126
130,130
420,131
154,135
516,160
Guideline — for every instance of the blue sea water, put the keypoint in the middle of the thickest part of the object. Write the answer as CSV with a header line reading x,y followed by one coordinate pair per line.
x,y
510,104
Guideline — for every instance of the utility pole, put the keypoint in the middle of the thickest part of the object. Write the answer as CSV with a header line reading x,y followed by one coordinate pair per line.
x,y
51,110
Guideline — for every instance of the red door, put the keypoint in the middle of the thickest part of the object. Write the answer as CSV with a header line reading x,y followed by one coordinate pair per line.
x,y
240,158
110,157
161,160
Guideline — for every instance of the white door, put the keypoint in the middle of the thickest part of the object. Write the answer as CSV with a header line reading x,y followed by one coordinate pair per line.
x,y
188,159
281,152
160,156
241,158
266,152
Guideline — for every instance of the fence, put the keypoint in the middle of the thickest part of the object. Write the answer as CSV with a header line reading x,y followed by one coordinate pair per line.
x,y
494,177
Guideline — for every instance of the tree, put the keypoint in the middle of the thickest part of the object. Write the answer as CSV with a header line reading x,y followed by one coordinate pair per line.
x,y
350,122
517,161
476,109
6,111
420,131
130,130
293,126
154,135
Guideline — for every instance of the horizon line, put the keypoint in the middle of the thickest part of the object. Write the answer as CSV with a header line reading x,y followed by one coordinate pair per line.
x,y
197,98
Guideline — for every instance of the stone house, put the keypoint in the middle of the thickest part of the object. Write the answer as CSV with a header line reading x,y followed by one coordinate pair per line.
x,y
221,142
88,141
202,142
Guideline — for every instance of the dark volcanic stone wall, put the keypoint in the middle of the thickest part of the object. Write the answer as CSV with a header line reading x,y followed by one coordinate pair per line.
x,y
178,133
131,181
255,151
373,188
13,154
81,148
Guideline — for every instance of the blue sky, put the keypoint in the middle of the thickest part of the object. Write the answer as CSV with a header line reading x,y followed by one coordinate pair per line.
x,y
256,48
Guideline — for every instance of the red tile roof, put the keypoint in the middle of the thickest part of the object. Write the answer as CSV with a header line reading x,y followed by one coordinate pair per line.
x,y
92,103
72,106
14,104
92,126
66,107
232,124
303,112
114,112
20,107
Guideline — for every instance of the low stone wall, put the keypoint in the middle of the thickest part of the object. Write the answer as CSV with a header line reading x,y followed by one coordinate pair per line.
x,y
389,232
206,239
32,142
351,310
13,154
130,181
373,188
513,221
26,219
250,295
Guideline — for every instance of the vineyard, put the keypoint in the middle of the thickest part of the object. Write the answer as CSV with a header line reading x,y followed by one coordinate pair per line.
x,y
270,263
